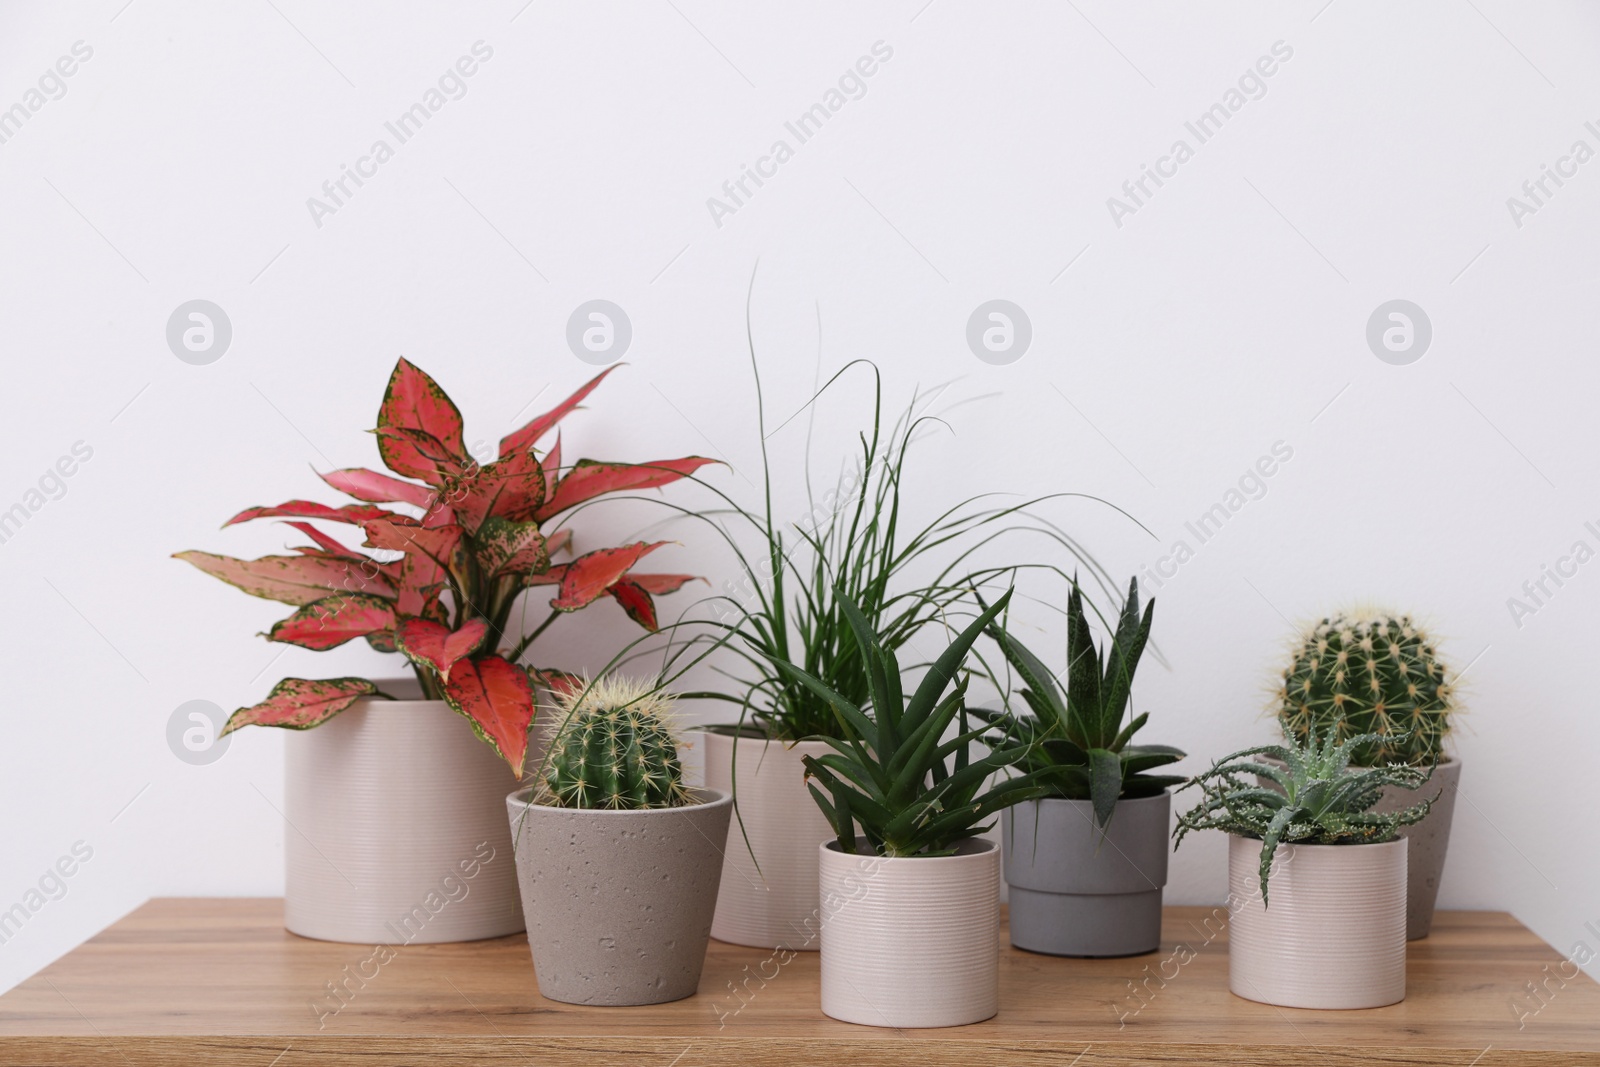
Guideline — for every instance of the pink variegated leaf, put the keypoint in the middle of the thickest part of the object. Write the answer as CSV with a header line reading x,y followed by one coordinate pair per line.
x,y
307,509
552,576
523,439
427,642
414,402
291,579
437,543
511,488
376,488
552,464
331,621
425,456
592,574
497,698
636,602
506,548
301,703
588,479
660,584
330,546
560,683
421,581
383,641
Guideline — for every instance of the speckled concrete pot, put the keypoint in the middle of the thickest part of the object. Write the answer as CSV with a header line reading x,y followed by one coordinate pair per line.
x,y
395,833
619,903
1332,933
1074,894
768,900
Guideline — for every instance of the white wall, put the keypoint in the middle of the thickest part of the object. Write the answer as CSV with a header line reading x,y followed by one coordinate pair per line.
x,y
1228,312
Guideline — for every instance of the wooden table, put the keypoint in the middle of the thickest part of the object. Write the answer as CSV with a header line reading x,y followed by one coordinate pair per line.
x,y
201,982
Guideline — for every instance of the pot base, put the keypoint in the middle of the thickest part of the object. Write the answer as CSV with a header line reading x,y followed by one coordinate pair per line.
x,y
1089,926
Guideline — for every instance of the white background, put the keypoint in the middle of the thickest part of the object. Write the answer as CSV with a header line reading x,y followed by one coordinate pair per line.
x,y
1226,314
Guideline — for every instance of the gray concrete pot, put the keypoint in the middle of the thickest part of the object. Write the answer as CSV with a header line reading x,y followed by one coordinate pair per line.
x,y
619,902
1427,841
1073,894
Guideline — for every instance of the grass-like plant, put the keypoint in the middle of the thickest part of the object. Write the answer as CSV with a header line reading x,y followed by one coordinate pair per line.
x,y
1078,740
1320,800
786,606
892,772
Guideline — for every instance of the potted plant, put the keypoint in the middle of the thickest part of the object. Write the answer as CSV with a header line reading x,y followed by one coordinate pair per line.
x,y
1086,863
783,608
909,893
1327,928
393,807
618,861
1382,674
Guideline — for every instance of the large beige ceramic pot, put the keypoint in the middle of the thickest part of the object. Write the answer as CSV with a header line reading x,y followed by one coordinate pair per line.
x,y
1332,932
397,828
768,897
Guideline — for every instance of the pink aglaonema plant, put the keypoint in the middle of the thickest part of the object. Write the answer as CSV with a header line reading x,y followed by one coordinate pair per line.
x,y
475,539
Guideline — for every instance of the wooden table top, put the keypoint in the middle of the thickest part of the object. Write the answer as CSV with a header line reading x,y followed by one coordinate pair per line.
x,y
219,981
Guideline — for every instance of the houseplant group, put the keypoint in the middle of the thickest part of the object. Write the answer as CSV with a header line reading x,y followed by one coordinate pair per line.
x,y
1086,862
388,801
1327,928
845,809
1381,674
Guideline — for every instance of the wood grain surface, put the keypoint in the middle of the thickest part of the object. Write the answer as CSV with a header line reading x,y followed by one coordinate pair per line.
x,y
209,981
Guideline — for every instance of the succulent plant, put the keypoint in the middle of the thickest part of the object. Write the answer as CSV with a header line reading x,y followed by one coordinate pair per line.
x,y
1377,675
1078,741
1323,799
615,748
912,791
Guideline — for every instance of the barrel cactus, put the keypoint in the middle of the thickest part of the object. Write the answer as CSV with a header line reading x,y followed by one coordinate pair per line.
x,y
1376,674
614,748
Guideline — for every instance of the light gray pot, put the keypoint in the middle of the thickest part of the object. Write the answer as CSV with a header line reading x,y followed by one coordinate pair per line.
x,y
1427,841
619,903
1073,894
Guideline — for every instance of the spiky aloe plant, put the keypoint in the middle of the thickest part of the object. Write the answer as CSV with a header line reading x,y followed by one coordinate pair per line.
x,y
615,748
1078,741
893,772
1324,800
1376,674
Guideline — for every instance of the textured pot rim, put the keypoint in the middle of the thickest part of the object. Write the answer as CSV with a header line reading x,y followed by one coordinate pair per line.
x,y
986,847
718,799
1400,841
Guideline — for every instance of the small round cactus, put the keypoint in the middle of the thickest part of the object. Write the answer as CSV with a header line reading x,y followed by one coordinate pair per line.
x,y
615,748
1377,674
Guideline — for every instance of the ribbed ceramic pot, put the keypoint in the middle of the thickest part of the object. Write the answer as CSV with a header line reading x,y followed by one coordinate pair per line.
x,y
619,902
1429,840
1074,894
769,899
911,941
396,828
1333,932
